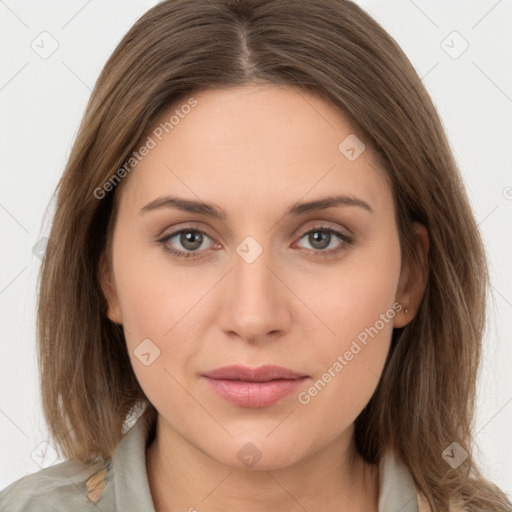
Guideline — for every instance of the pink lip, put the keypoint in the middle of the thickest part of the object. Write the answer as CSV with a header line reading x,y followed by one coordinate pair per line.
x,y
263,373
258,387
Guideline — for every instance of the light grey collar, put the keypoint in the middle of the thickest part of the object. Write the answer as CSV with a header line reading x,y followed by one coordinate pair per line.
x,y
397,492
130,476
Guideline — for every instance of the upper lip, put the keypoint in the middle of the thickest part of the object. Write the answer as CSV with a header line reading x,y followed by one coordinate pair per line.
x,y
263,373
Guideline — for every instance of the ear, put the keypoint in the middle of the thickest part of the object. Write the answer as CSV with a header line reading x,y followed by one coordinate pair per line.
x,y
109,290
413,279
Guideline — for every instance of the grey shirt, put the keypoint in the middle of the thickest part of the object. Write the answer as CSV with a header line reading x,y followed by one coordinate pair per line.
x,y
120,484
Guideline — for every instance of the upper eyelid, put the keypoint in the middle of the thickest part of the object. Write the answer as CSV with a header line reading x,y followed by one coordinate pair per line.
x,y
323,225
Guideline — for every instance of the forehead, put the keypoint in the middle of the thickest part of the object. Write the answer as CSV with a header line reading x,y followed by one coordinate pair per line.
x,y
254,144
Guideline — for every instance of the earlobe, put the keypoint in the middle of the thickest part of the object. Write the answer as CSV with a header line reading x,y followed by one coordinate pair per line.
x,y
109,291
413,279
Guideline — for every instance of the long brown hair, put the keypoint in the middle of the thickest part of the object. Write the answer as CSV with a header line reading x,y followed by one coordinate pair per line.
x,y
425,398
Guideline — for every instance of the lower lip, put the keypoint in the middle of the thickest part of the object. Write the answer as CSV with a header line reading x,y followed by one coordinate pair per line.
x,y
254,394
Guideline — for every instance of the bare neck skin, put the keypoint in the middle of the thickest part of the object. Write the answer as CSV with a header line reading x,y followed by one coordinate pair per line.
x,y
183,478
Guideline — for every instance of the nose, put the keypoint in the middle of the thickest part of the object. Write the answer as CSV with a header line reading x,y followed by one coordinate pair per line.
x,y
255,303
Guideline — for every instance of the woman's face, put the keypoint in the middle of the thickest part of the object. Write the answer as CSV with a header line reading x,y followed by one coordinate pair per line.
x,y
260,286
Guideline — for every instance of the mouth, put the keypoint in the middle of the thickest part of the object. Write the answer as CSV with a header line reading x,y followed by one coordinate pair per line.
x,y
254,388
264,373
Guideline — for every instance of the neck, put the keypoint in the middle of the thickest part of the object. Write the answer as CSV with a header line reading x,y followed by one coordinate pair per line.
x,y
183,477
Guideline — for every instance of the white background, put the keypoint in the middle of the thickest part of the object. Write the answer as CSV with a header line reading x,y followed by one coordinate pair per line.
x,y
42,101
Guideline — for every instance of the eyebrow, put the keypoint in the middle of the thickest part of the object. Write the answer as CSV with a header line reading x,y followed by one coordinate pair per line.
x,y
214,211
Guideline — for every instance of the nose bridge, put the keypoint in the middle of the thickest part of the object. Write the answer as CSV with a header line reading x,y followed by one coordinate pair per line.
x,y
254,303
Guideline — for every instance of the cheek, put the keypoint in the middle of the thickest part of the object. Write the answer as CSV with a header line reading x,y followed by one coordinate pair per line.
x,y
357,293
156,321
358,306
153,293
348,365
160,305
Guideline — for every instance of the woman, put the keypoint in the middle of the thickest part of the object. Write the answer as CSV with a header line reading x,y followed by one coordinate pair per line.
x,y
185,287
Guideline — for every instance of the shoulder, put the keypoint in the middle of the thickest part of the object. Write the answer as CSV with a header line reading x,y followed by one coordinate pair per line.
x,y
70,485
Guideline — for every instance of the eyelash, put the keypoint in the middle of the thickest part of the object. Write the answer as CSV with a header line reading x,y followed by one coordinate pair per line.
x,y
348,241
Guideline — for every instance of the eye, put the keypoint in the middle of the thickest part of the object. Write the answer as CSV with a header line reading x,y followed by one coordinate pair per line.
x,y
192,241
320,238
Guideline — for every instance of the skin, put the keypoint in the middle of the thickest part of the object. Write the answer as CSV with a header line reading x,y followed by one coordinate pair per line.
x,y
253,151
